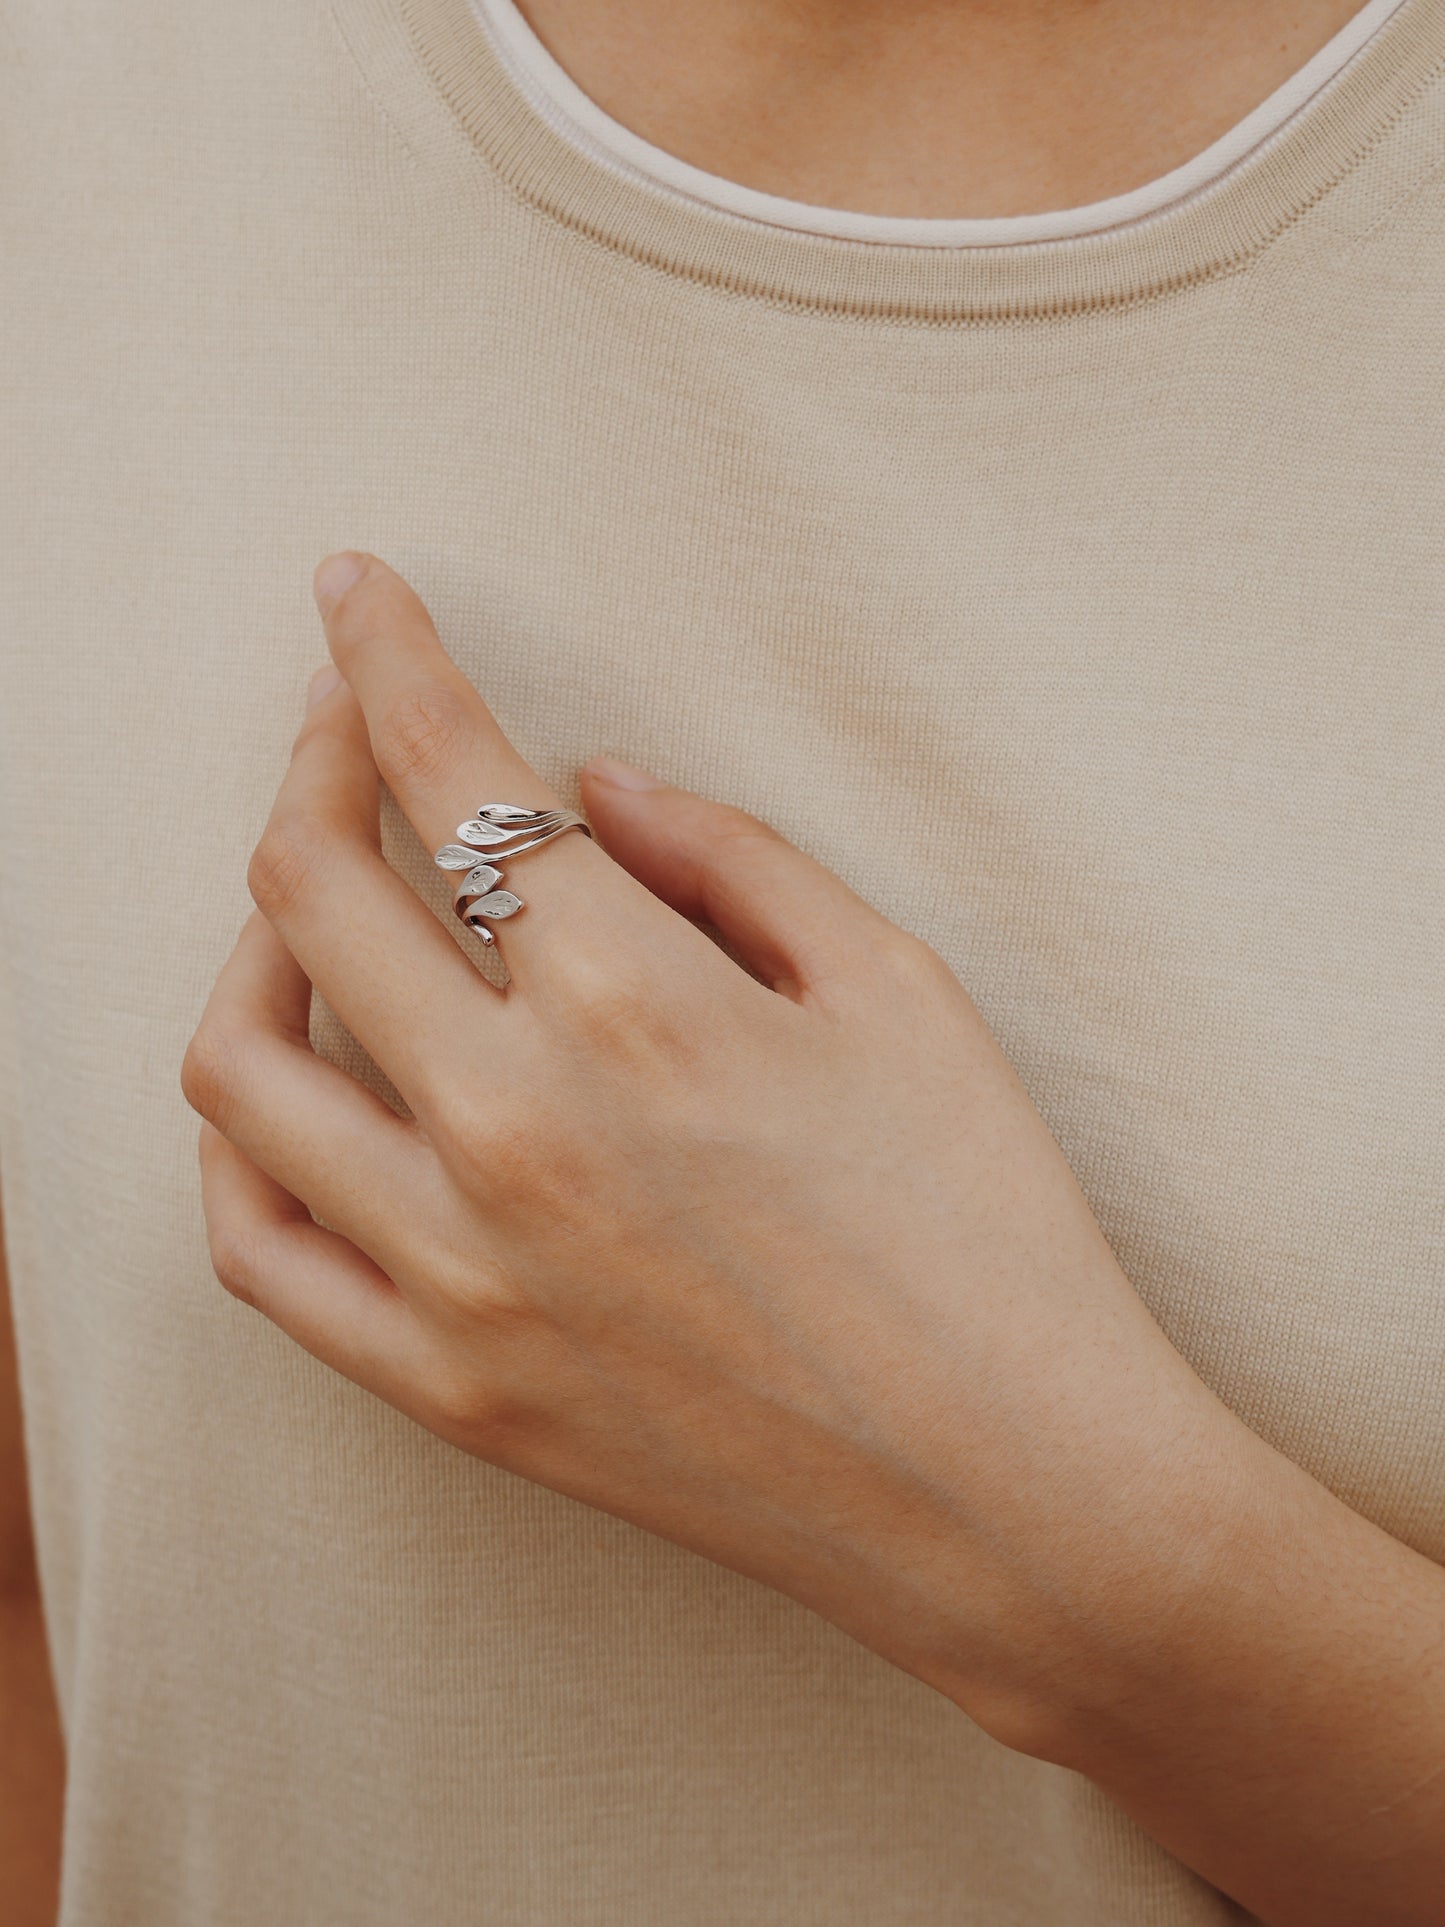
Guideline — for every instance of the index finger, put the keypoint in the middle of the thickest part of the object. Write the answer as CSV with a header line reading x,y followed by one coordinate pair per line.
x,y
443,755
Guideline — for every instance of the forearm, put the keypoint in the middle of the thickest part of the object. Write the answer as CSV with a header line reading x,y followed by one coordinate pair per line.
x,y
31,1766
1278,1723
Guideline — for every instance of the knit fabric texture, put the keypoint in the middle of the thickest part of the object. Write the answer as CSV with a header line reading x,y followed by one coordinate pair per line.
x,y
1079,602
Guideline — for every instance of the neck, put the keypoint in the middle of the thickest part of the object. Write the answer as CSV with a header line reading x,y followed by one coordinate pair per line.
x,y
934,108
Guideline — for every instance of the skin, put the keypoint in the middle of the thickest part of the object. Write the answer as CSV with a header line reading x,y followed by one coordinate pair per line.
x,y
780,1262
981,107
934,107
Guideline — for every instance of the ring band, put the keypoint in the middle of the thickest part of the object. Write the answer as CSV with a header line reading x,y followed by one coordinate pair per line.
x,y
502,831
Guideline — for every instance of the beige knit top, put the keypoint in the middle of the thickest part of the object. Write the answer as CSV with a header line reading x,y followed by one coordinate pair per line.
x,y
1116,562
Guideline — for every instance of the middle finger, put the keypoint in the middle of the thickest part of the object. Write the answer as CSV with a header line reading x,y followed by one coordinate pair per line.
x,y
392,974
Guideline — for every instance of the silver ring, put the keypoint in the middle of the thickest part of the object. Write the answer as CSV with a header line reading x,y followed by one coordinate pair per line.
x,y
503,830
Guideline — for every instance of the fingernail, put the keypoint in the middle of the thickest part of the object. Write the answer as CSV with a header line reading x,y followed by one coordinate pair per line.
x,y
335,576
623,776
327,678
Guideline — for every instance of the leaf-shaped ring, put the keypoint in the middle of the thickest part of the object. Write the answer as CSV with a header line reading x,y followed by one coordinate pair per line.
x,y
496,833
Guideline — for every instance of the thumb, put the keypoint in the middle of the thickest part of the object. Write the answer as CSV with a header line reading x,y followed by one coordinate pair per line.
x,y
789,918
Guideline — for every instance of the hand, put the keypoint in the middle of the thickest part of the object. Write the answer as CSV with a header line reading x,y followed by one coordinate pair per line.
x,y
785,1268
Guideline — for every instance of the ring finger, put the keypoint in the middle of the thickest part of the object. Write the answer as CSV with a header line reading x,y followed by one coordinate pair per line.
x,y
443,755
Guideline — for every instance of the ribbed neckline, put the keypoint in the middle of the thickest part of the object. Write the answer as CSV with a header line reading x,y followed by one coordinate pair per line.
x,y
582,123
449,94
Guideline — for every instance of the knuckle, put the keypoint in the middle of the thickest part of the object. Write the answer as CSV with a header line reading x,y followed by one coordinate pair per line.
x,y
316,726
609,1001
237,1262
421,736
508,1147
918,961
737,836
741,826
914,968
646,1036
465,1129
483,1417
210,1075
529,1167
285,863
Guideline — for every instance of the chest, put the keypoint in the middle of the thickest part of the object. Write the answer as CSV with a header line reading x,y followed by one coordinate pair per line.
x,y
1117,681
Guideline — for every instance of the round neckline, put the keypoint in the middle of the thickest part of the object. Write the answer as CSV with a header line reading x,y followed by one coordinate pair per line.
x,y
435,74
557,98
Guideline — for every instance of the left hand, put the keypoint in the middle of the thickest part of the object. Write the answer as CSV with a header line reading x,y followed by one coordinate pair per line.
x,y
785,1268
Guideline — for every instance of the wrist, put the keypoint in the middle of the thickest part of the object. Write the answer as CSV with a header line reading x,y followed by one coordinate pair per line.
x,y
1095,1621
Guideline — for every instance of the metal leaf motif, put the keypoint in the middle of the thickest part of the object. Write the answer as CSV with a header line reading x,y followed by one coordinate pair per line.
x,y
504,830
451,856
482,835
501,903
